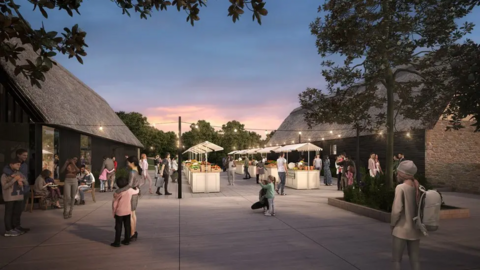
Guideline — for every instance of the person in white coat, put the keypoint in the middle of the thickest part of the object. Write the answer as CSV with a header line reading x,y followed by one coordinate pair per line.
x,y
372,166
146,176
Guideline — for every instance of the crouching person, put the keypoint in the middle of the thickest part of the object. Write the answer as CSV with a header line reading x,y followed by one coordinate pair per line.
x,y
270,194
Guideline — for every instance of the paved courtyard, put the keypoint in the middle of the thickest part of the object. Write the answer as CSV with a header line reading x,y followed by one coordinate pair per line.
x,y
220,231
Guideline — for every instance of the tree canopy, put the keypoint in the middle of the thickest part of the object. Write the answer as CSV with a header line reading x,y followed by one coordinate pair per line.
x,y
465,81
155,141
72,41
395,54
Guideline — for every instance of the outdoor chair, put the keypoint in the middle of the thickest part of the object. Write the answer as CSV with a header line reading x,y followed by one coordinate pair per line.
x,y
31,200
92,190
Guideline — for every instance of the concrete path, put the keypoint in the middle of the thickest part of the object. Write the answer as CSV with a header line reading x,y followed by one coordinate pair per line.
x,y
220,231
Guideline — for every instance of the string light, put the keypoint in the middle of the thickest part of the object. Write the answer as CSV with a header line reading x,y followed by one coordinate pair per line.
x,y
408,134
339,135
235,130
323,139
299,133
331,131
101,128
293,141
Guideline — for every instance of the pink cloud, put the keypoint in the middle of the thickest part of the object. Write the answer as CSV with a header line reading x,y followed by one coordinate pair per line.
x,y
255,117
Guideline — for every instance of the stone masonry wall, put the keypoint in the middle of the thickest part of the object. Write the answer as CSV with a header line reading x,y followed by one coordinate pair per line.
x,y
452,158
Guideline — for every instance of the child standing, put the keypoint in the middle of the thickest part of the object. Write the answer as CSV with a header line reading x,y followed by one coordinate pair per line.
x,y
14,187
270,194
122,210
103,179
349,174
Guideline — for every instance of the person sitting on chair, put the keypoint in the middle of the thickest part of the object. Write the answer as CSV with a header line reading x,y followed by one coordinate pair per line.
x,y
87,184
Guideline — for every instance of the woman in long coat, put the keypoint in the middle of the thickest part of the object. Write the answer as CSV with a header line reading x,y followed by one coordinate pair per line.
x,y
326,171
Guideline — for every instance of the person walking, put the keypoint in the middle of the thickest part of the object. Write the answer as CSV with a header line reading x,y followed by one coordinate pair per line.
x,y
231,171
282,174
327,173
404,230
145,174
245,168
156,163
317,164
70,187
260,171
165,172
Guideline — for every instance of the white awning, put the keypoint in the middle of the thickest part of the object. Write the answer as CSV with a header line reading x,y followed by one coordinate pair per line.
x,y
252,151
205,147
298,147
233,152
267,150
241,152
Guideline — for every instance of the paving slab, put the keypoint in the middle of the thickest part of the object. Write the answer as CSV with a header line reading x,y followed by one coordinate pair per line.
x,y
220,231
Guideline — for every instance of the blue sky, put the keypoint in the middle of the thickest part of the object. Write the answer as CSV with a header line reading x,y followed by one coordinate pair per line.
x,y
217,71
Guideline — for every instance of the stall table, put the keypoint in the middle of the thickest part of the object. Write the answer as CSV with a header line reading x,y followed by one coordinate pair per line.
x,y
252,170
204,182
273,172
299,179
239,169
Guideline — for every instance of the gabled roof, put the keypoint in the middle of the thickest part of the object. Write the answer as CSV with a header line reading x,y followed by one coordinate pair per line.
x,y
295,122
66,101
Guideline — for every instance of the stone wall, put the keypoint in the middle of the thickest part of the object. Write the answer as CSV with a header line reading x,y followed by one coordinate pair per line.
x,y
452,158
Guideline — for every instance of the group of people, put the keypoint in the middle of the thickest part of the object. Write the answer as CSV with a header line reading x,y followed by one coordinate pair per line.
x,y
165,169
374,167
318,164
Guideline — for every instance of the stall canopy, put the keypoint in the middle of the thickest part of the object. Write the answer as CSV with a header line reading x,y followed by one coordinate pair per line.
x,y
267,150
233,152
205,147
241,152
252,151
298,147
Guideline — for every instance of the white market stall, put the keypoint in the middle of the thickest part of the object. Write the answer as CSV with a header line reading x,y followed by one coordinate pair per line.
x,y
206,180
239,164
273,171
302,179
252,169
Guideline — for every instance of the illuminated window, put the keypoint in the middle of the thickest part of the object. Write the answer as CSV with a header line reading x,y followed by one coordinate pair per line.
x,y
86,151
48,148
333,149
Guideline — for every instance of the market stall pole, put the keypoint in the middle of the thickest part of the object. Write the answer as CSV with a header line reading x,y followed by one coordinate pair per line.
x,y
302,179
211,180
180,172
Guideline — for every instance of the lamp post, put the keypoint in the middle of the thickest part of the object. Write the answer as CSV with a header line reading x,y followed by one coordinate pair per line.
x,y
299,137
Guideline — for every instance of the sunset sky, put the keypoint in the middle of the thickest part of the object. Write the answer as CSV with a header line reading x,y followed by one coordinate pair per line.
x,y
216,71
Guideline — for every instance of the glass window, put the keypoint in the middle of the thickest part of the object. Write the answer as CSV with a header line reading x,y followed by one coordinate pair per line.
x,y
86,151
333,149
48,148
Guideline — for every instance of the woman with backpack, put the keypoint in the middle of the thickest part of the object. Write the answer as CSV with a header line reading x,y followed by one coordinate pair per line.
x,y
404,230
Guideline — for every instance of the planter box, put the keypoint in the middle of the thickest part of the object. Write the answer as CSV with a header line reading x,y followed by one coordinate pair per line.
x,y
447,212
